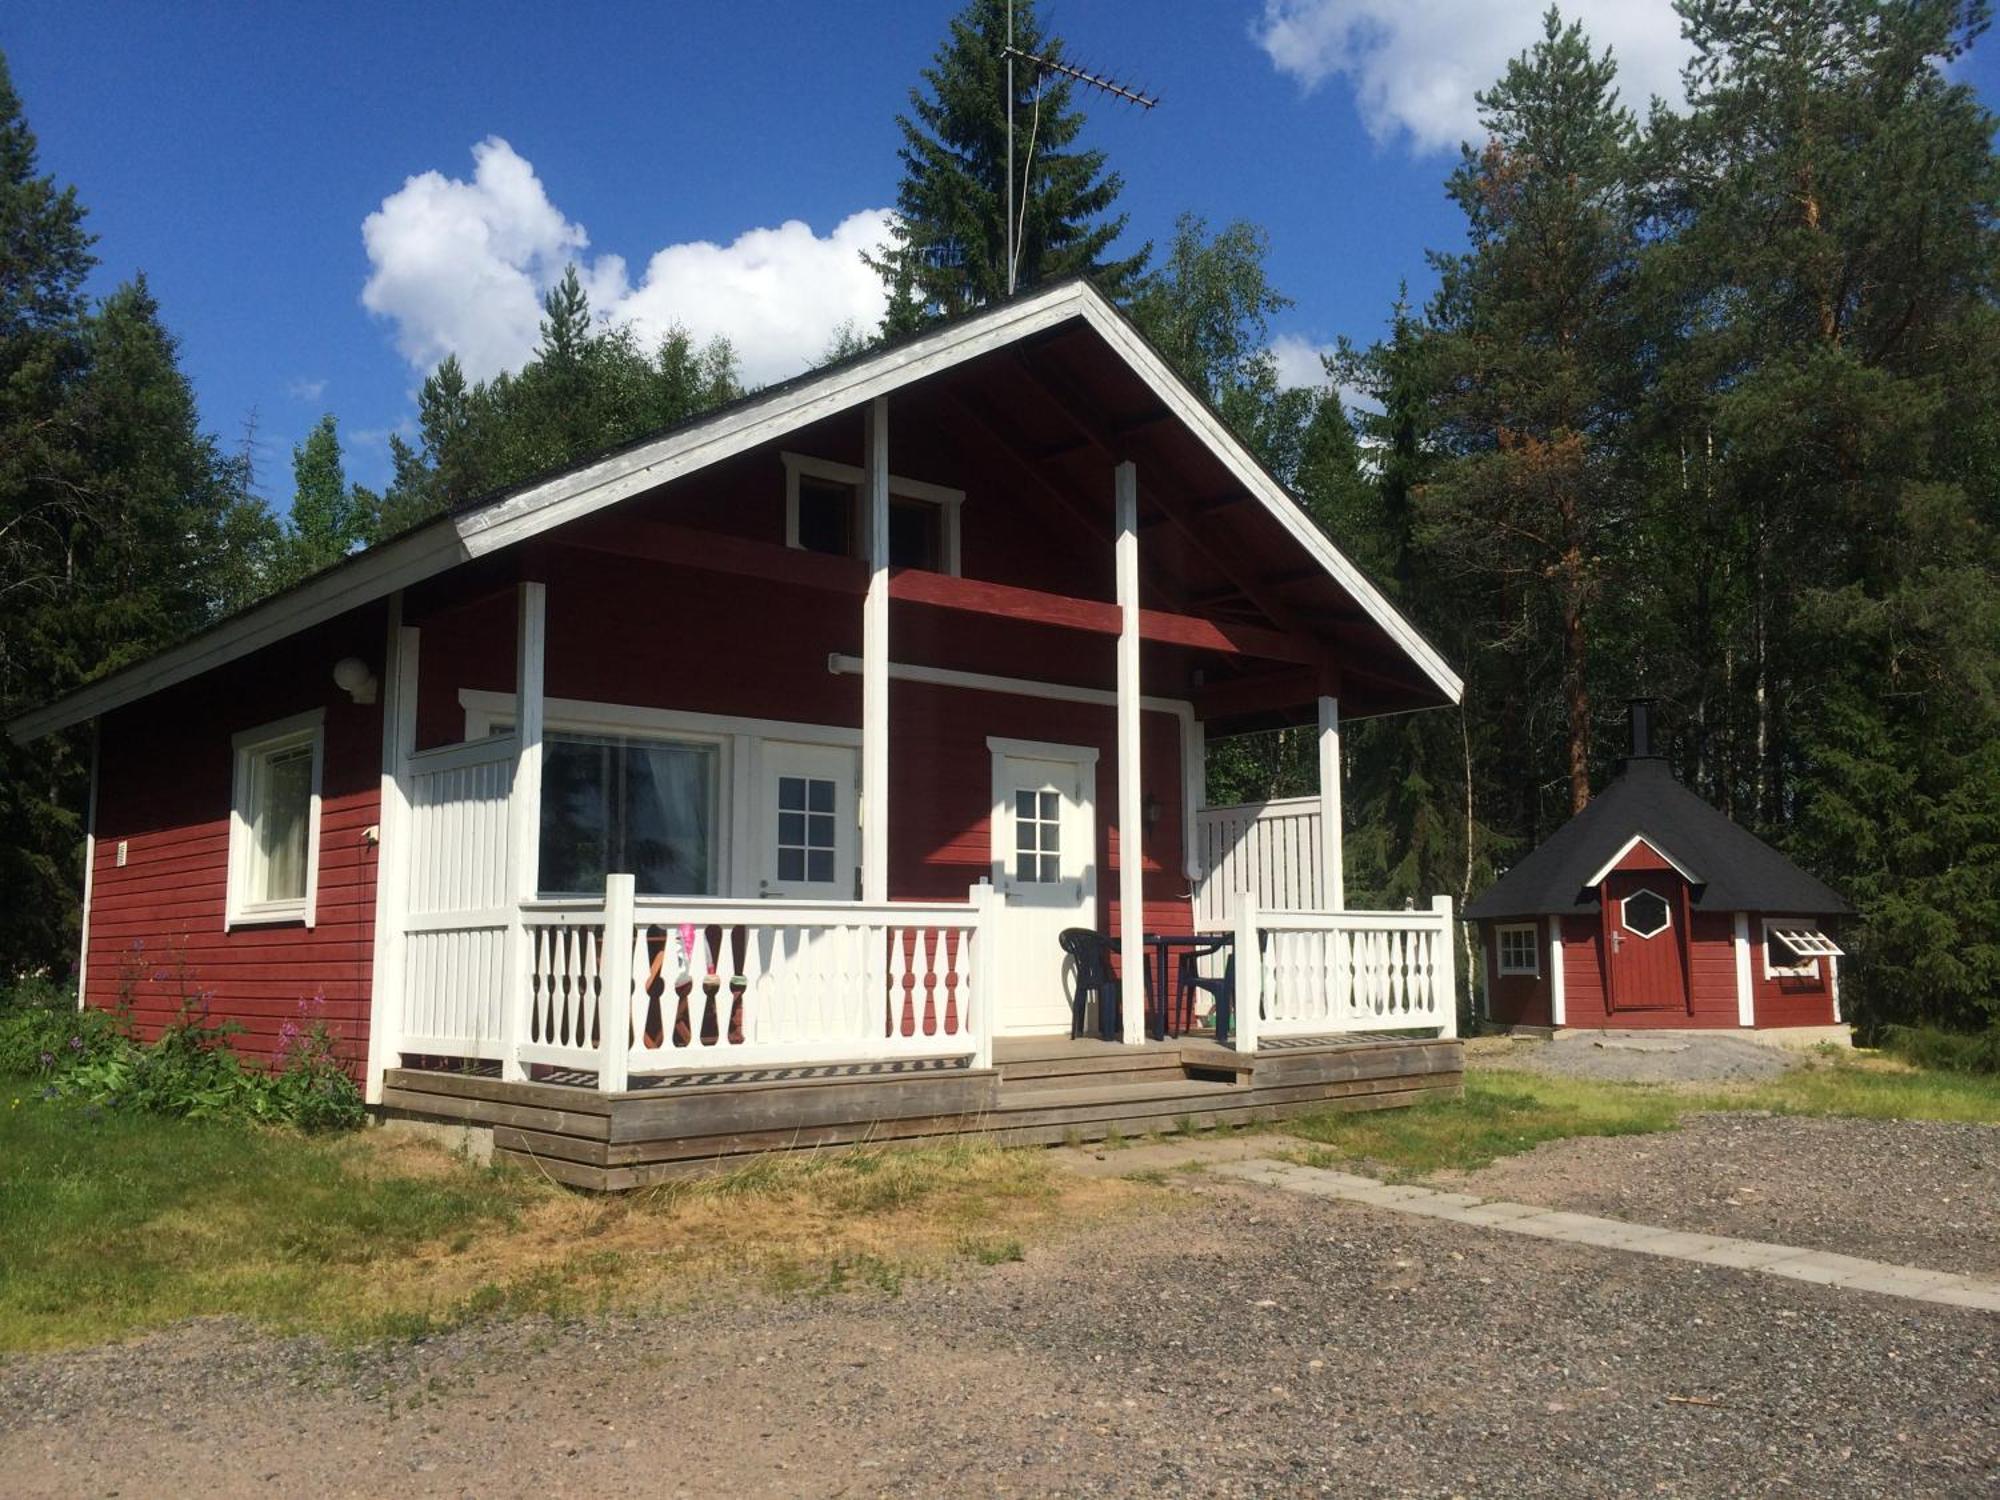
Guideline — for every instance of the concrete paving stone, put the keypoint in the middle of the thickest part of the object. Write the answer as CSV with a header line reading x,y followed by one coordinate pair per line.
x,y
1498,1214
1675,1245
1823,1267
1984,1295
1746,1255
1902,1281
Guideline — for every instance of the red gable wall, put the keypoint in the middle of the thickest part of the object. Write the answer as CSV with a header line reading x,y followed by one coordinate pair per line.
x,y
164,786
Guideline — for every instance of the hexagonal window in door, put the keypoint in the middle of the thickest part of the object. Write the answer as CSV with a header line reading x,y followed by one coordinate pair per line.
x,y
1646,913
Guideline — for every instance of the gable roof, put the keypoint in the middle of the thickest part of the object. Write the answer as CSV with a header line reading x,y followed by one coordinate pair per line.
x,y
1738,871
489,525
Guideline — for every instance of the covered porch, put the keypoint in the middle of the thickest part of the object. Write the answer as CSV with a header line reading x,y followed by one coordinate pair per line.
x,y
792,762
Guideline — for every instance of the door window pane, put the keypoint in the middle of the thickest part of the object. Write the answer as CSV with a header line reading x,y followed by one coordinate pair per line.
x,y
807,841
643,807
1038,837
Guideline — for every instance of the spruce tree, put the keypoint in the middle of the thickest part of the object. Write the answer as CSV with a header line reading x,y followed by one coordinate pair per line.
x,y
948,253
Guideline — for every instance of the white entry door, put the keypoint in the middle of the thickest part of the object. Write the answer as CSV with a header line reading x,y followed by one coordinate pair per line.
x,y
1045,867
809,849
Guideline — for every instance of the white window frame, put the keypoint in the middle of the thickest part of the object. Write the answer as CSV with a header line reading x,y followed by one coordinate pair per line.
x,y
1805,969
248,748
1534,968
738,814
947,500
1625,922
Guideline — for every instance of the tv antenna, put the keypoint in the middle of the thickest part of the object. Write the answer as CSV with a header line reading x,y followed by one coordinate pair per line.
x,y
1103,83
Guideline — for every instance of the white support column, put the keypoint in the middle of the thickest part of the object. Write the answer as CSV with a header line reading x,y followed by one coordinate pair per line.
x,y
614,986
875,658
1131,801
524,823
1249,956
1333,875
89,869
387,983
1558,1005
1445,971
1194,793
1746,994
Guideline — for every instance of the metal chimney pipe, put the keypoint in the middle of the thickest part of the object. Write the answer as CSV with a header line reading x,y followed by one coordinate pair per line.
x,y
1640,712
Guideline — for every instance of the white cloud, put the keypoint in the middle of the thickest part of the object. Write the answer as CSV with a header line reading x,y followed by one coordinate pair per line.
x,y
1298,359
460,268
306,390
1414,65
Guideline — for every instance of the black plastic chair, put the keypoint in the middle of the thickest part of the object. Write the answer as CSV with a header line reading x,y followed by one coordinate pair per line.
x,y
1223,989
1090,951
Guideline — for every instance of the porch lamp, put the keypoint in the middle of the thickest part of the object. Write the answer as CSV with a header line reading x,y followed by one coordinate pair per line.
x,y
1150,809
352,676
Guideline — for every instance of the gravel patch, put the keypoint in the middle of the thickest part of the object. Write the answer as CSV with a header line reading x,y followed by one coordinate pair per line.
x,y
1916,1192
1628,1057
1252,1343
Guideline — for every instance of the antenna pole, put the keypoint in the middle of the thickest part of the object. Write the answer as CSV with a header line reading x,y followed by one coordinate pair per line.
x,y
1010,147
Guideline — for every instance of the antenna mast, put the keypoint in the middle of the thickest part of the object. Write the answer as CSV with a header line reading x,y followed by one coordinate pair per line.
x,y
1103,83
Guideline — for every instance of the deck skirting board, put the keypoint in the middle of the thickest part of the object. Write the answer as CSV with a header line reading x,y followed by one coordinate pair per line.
x,y
609,1142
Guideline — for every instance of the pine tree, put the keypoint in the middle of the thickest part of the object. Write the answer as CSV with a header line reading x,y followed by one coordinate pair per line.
x,y
328,519
1832,195
948,252
1537,359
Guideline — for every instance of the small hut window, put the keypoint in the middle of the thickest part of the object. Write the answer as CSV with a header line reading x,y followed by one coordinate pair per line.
x,y
1520,950
1793,949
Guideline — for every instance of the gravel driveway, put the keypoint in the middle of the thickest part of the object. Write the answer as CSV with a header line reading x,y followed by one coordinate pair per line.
x,y
1916,1192
1243,1343
1637,1057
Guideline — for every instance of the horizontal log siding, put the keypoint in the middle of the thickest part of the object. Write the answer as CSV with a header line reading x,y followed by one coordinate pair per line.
x,y
164,788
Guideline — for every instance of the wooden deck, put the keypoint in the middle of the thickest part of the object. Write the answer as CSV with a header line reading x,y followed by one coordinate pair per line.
x,y
1041,1091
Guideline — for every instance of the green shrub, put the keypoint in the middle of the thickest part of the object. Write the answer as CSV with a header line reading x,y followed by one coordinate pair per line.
x,y
42,1033
1946,1051
192,1071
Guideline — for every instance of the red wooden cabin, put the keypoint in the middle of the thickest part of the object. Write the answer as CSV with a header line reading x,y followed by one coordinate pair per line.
x,y
790,738
1651,909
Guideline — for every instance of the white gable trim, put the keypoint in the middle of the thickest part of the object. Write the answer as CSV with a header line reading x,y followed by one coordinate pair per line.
x,y
1634,842
576,493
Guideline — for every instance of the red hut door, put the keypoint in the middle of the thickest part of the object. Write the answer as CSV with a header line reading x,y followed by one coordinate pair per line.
x,y
1643,920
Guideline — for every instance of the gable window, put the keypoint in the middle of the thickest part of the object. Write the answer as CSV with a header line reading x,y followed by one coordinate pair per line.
x,y
641,806
823,513
274,822
1520,949
1793,949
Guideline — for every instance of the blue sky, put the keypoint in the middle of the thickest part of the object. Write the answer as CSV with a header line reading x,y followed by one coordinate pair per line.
x,y
235,152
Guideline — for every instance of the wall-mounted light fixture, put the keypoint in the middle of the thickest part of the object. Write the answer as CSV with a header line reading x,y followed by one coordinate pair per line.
x,y
353,677
1151,810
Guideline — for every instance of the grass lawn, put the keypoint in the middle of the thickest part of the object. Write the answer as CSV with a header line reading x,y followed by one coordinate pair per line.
x,y
1509,1111
112,1224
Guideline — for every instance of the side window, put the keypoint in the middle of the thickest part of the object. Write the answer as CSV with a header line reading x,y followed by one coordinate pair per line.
x,y
274,823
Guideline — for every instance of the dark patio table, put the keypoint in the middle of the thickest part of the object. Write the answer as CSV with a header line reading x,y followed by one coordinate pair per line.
x,y
1160,1016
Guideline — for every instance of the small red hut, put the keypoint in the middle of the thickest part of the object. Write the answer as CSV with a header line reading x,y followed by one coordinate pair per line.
x,y
1650,908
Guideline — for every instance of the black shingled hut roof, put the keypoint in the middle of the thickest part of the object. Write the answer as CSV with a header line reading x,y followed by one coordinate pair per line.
x,y
1732,870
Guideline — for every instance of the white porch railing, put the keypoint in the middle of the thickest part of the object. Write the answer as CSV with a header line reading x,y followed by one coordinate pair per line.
x,y
624,987
1312,973
1270,848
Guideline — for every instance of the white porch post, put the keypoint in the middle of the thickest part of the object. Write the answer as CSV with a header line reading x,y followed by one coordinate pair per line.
x,y
1131,805
1444,971
90,868
1333,876
387,984
1746,996
614,986
875,659
524,823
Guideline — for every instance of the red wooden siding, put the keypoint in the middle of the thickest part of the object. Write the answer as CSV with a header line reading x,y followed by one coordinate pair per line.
x,y
1516,999
1643,856
164,787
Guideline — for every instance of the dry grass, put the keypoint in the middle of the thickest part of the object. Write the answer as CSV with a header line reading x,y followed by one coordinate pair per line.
x,y
113,1225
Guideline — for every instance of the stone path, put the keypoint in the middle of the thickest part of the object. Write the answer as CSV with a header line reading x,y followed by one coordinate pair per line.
x,y
1847,1271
